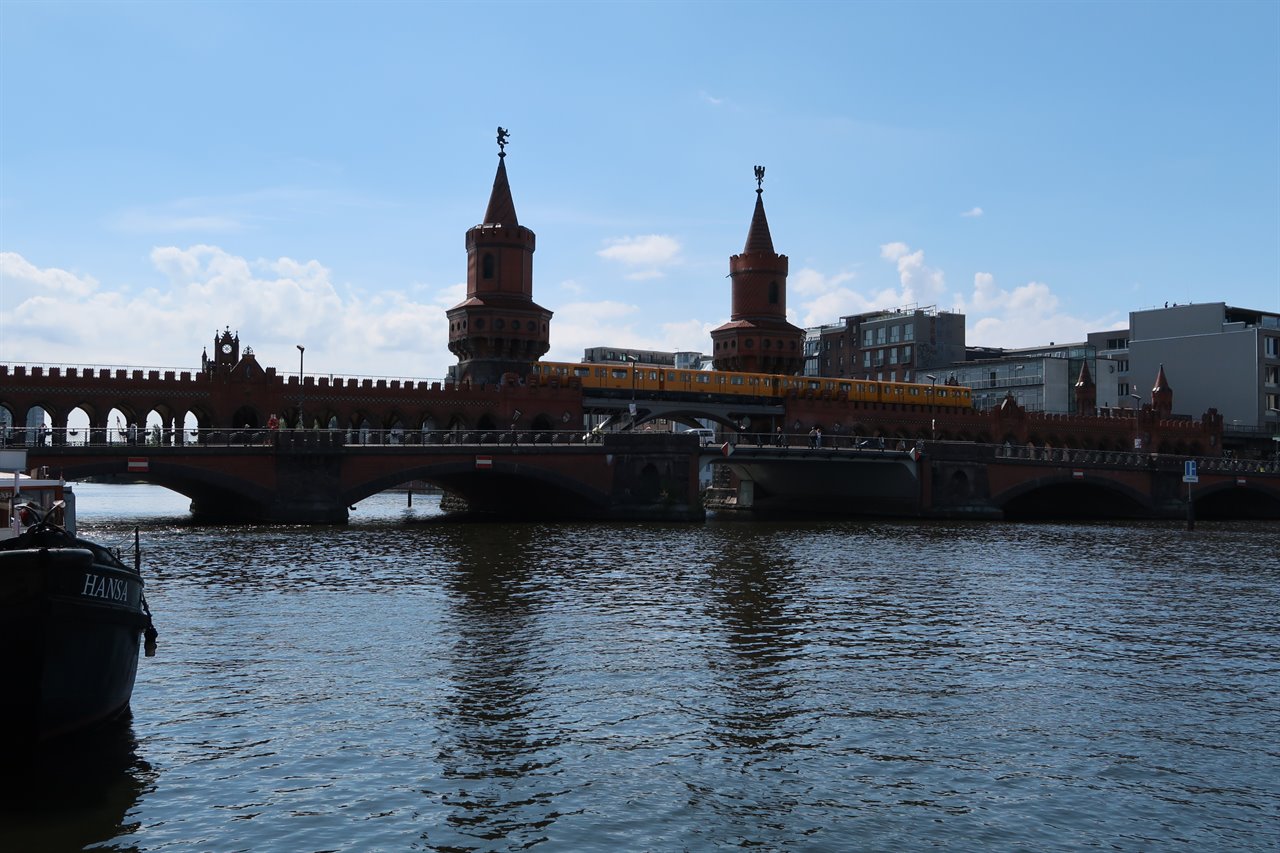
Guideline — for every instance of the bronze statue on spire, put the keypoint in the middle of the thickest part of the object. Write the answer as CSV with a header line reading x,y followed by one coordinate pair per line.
x,y
503,136
759,179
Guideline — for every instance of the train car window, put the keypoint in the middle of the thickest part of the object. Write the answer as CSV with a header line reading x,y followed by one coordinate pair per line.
x,y
814,386
671,376
942,392
582,371
619,373
704,378
601,372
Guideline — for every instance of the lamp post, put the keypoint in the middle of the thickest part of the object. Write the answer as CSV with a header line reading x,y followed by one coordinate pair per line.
x,y
933,399
301,352
1137,408
634,360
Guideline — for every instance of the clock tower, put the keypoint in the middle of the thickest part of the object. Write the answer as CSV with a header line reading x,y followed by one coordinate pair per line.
x,y
226,352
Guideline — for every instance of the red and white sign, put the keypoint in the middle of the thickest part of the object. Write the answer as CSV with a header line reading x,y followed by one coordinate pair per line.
x,y
139,464
484,463
726,448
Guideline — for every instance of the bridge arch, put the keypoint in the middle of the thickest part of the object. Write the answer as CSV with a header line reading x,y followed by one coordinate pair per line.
x,y
1063,496
507,487
1226,499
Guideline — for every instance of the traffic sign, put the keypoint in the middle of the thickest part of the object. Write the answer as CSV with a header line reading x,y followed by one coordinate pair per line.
x,y
1189,472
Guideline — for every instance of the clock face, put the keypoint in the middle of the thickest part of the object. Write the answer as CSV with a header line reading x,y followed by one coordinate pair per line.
x,y
226,348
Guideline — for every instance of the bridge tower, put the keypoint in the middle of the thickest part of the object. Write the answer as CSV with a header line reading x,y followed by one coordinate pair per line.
x,y
758,338
498,328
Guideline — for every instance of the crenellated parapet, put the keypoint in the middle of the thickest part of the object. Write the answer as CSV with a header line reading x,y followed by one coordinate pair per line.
x,y
189,402
1009,423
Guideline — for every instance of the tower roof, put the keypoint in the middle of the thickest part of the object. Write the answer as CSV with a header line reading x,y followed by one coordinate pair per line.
x,y
758,238
1162,384
501,209
1086,378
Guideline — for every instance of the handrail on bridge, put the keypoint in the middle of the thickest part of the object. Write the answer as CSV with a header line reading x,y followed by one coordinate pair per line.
x,y
837,445
833,445
143,441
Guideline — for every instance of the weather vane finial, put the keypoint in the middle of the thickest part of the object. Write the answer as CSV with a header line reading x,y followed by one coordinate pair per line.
x,y
503,136
759,179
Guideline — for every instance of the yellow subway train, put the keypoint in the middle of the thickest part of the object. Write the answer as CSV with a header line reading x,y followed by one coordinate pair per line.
x,y
651,379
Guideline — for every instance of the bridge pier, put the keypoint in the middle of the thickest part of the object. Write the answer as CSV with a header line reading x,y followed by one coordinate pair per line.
x,y
308,489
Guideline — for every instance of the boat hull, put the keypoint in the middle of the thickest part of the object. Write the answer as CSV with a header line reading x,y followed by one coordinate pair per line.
x,y
71,619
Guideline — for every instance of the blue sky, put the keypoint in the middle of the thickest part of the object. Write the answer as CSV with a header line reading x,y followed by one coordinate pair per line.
x,y
305,172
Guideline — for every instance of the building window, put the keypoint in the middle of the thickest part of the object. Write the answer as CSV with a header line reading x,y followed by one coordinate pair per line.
x,y
866,358
1273,375
880,335
906,353
867,339
909,332
1273,404
893,355
894,334
1273,347
1122,388
486,266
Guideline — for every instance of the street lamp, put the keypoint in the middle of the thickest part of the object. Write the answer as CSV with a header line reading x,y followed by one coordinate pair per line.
x,y
1137,433
301,352
631,358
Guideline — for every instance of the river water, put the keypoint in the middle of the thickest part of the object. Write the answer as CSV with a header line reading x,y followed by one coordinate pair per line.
x,y
406,684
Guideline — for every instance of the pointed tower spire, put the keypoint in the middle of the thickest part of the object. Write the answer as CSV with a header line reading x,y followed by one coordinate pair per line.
x,y
501,209
498,330
1162,394
758,338
1086,392
758,238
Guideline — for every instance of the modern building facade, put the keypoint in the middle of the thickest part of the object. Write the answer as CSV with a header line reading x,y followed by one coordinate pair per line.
x,y
1219,356
898,345
681,360
1040,379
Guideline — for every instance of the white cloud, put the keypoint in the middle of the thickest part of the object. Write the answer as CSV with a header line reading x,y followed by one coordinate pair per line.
x,y
646,250
19,273
921,283
1028,315
972,212
580,325
273,304
710,99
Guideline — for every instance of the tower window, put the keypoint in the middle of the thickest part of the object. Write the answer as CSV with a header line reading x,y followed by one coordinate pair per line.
x,y
486,266
773,293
